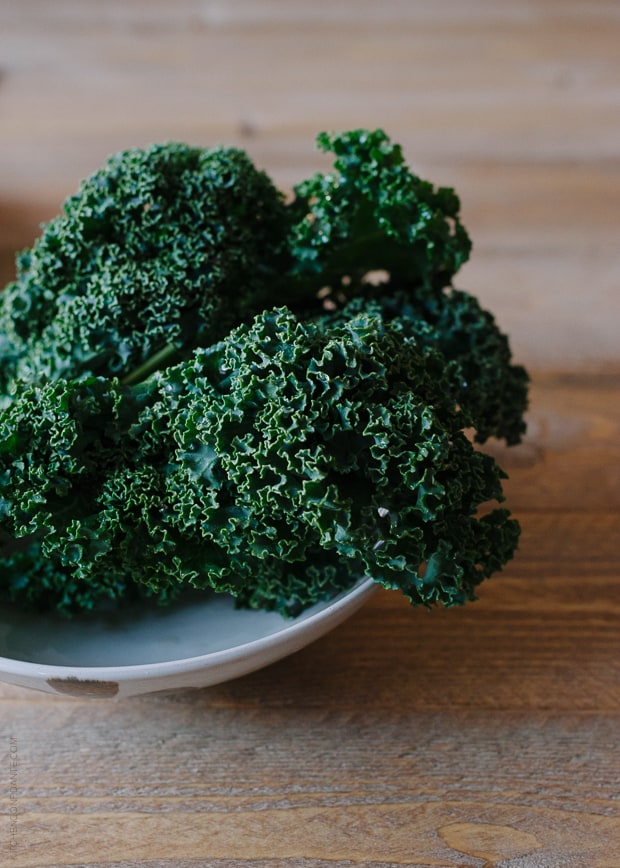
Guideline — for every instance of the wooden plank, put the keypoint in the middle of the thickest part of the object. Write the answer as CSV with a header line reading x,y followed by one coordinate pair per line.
x,y
192,780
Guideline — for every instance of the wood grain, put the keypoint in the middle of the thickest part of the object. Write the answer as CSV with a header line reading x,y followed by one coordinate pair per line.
x,y
478,737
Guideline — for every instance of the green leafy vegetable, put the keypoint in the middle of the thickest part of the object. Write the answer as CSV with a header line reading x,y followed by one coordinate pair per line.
x,y
372,213
282,444
372,221
491,391
163,249
206,387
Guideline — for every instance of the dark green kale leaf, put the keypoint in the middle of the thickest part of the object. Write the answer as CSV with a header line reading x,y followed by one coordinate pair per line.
x,y
39,582
372,236
279,464
164,249
372,213
491,391
82,498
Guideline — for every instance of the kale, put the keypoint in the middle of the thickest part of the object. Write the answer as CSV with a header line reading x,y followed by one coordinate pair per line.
x,y
489,388
372,235
278,465
371,213
205,386
164,249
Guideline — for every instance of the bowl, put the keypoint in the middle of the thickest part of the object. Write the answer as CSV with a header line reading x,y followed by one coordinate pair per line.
x,y
199,641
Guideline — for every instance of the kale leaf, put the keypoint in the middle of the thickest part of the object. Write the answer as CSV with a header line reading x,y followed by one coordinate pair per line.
x,y
164,249
491,391
277,464
372,213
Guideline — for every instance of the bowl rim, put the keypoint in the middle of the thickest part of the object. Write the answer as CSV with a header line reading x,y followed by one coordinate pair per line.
x,y
353,598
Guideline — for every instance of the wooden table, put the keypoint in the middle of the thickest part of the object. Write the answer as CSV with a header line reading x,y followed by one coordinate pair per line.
x,y
484,736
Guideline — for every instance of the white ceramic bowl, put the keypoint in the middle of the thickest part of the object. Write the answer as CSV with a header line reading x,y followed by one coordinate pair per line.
x,y
195,643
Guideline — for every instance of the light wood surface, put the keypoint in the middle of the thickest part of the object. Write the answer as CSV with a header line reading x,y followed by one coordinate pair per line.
x,y
478,737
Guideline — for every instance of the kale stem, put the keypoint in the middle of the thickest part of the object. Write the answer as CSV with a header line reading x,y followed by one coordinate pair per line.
x,y
161,359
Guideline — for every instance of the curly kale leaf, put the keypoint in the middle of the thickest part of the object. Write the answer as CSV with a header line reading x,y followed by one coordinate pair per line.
x,y
298,446
493,390
372,213
165,247
35,581
78,489
372,221
490,389
279,464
